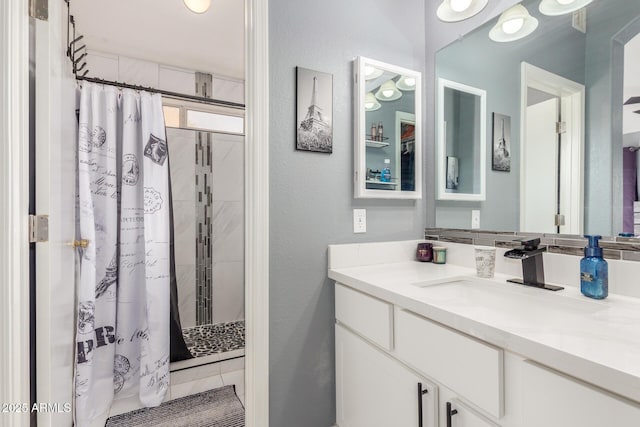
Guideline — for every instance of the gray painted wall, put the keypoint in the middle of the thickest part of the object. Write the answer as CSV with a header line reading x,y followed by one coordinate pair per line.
x,y
311,194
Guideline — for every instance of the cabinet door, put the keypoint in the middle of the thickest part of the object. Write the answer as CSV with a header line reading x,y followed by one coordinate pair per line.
x,y
374,390
455,414
554,400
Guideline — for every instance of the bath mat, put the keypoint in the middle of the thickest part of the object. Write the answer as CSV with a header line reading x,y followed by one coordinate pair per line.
x,y
214,408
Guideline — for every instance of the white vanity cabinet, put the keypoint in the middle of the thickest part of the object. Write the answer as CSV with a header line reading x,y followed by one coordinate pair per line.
x,y
384,350
374,390
454,413
471,368
555,400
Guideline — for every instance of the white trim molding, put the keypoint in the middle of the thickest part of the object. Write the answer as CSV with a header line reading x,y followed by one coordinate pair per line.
x,y
14,187
257,214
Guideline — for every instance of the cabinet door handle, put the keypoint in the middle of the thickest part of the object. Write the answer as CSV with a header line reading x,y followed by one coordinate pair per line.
x,y
421,393
450,413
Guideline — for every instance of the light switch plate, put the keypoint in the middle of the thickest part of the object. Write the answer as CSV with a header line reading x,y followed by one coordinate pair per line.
x,y
359,220
475,219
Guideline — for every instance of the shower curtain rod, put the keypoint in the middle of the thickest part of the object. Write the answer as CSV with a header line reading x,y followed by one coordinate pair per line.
x,y
184,96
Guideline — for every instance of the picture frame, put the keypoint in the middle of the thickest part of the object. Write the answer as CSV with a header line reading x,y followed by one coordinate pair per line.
x,y
314,111
501,143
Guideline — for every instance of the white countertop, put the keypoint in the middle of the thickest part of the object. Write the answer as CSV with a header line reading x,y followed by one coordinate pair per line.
x,y
596,341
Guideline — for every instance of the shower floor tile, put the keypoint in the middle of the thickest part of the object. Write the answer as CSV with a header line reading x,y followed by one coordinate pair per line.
x,y
206,340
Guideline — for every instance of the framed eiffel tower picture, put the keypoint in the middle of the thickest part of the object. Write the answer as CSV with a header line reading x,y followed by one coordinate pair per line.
x,y
314,111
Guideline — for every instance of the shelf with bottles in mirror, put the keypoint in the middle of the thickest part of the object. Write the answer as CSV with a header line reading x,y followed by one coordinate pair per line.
x,y
376,142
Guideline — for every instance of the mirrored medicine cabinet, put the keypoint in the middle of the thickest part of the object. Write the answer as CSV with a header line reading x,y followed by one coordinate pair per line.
x,y
388,131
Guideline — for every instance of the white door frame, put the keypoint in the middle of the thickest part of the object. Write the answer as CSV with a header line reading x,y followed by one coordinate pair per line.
x,y
257,214
14,209
572,99
14,180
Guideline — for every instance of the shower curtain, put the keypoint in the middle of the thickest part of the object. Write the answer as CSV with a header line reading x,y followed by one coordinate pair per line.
x,y
123,292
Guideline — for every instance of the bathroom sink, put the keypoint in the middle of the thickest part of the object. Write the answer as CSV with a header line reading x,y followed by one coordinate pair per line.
x,y
464,281
504,297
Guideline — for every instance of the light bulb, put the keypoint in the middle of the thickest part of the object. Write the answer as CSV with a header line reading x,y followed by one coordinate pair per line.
x,y
460,5
369,105
565,2
512,26
198,6
369,70
410,81
387,93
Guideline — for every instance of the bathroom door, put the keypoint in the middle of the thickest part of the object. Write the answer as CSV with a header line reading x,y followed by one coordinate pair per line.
x,y
552,158
541,165
55,153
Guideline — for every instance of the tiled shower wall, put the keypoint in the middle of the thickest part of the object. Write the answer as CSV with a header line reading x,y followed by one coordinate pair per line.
x,y
222,203
204,235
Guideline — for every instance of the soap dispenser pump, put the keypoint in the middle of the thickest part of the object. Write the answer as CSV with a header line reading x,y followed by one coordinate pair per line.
x,y
594,271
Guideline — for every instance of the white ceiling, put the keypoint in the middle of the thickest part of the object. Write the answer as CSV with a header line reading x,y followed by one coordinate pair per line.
x,y
631,121
166,32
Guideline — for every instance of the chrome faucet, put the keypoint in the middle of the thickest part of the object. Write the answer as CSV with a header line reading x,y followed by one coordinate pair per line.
x,y
532,264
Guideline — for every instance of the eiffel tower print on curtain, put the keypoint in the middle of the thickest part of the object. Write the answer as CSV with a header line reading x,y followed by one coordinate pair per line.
x,y
314,121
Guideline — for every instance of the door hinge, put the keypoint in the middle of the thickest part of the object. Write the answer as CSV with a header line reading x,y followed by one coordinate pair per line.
x,y
38,228
39,9
561,127
558,220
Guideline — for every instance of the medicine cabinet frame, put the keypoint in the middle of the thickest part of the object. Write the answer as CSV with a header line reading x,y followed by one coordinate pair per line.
x,y
441,151
360,132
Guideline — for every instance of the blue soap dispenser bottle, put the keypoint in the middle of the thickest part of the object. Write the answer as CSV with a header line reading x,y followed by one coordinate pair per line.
x,y
594,271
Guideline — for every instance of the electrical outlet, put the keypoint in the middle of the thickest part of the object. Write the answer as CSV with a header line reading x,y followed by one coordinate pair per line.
x,y
359,220
475,219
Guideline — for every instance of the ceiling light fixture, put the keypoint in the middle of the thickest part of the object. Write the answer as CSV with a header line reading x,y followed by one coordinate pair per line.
x,y
388,91
514,23
371,72
459,10
371,103
406,83
198,6
561,7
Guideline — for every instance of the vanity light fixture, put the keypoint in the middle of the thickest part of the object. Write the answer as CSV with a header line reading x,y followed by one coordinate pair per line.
x,y
514,23
388,91
198,6
371,103
459,10
561,7
371,72
406,83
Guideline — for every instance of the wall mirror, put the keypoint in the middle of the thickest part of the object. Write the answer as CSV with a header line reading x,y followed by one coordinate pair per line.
x,y
388,131
461,149
577,72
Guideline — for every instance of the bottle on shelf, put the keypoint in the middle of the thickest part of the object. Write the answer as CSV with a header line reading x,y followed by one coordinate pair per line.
x,y
374,131
380,131
386,172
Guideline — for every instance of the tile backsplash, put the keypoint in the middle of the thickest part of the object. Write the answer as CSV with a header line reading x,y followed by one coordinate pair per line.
x,y
615,248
